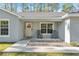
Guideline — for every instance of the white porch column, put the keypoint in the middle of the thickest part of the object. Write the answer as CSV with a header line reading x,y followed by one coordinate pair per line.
x,y
67,30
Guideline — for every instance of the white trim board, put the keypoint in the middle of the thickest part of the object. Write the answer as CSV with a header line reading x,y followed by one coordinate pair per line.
x,y
8,28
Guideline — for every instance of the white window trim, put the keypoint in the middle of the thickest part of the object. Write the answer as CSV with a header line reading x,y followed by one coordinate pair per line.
x,y
47,23
8,27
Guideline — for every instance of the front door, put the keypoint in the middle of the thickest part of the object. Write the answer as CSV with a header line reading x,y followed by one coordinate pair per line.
x,y
46,29
28,29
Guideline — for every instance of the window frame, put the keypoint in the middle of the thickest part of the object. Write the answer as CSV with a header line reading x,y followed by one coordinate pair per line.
x,y
46,26
8,28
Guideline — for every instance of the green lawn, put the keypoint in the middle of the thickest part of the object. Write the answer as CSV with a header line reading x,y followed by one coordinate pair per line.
x,y
4,45
38,54
75,44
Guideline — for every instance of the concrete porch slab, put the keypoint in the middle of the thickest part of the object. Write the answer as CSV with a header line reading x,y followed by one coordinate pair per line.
x,y
22,46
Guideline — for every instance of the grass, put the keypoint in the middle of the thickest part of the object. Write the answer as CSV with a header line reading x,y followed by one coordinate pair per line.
x,y
75,44
38,54
4,45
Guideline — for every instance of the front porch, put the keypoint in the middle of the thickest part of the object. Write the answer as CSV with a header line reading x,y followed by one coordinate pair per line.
x,y
41,30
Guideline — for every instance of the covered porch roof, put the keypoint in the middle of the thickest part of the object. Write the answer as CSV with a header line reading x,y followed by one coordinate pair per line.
x,y
42,16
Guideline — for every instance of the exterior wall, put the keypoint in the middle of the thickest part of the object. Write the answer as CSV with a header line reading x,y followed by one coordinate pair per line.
x,y
64,30
36,26
20,29
15,27
68,30
61,30
74,29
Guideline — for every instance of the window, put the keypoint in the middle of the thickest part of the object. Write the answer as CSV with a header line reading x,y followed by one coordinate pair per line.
x,y
49,29
46,28
3,27
43,28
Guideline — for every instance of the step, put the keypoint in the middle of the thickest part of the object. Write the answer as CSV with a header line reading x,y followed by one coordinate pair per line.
x,y
46,40
46,43
62,44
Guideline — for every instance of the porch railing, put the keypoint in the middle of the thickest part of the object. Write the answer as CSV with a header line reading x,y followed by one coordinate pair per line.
x,y
39,34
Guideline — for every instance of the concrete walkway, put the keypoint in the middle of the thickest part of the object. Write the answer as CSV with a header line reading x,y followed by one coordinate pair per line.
x,y
22,46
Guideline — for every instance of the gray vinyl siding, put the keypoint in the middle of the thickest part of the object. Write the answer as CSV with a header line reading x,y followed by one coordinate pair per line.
x,y
20,29
36,26
74,29
15,30
61,30
17,26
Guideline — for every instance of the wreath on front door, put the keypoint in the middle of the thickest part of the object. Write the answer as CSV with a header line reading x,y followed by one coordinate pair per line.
x,y
29,26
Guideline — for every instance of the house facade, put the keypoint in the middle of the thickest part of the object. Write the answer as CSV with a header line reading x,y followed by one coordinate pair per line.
x,y
38,25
